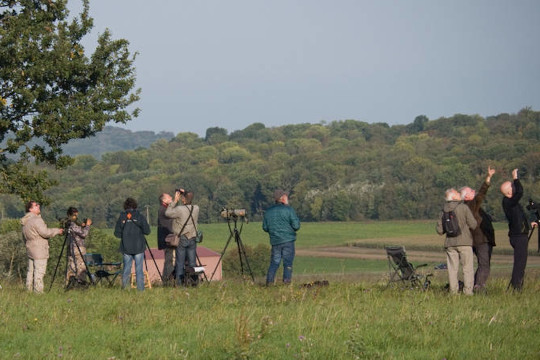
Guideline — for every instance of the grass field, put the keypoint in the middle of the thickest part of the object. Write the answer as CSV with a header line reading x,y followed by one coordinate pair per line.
x,y
355,317
359,237
413,234
232,320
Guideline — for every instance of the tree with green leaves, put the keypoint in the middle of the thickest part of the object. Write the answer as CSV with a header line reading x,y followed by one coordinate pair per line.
x,y
51,91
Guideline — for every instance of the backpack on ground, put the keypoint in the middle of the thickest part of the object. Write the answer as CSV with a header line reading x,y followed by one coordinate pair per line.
x,y
450,224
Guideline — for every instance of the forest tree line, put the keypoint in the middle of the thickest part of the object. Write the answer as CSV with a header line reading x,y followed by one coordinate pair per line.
x,y
344,170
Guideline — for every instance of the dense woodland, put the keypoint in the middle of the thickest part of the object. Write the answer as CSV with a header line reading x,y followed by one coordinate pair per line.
x,y
112,139
339,171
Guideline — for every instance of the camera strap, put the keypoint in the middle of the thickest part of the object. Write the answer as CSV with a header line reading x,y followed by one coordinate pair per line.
x,y
190,212
193,220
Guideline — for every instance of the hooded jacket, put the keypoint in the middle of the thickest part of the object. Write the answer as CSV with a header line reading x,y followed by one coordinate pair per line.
x,y
36,235
466,221
131,228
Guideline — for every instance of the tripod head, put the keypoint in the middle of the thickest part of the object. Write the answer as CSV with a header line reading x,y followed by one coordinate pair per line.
x,y
66,222
533,208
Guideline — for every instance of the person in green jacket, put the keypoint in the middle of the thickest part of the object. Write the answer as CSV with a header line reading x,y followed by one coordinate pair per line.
x,y
281,223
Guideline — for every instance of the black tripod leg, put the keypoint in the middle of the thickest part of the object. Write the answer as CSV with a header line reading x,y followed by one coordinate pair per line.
x,y
199,263
221,257
155,263
85,264
239,248
242,250
58,263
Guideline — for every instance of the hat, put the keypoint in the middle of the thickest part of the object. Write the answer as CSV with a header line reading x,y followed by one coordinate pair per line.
x,y
279,193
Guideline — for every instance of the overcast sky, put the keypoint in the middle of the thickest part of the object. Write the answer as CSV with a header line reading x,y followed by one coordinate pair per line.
x,y
231,63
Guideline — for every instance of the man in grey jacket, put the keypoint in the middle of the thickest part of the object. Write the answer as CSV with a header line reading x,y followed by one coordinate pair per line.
x,y
459,248
185,220
36,235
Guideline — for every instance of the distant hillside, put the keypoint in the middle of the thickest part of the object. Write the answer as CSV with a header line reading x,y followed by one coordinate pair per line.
x,y
113,139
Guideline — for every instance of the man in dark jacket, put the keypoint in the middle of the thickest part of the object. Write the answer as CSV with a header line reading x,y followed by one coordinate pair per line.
x,y
131,228
281,222
164,228
483,235
518,227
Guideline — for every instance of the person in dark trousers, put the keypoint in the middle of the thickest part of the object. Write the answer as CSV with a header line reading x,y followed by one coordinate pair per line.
x,y
281,223
518,227
483,235
164,228
131,228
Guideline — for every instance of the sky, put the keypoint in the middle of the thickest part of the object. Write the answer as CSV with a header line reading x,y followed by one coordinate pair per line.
x,y
229,64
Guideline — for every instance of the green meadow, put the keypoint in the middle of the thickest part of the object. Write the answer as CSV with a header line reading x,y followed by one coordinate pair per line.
x,y
355,316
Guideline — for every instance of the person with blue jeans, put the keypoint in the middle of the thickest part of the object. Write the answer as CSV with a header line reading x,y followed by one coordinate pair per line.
x,y
185,220
131,228
281,223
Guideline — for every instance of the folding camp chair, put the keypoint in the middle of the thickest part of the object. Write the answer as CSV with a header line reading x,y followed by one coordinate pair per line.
x,y
402,271
108,271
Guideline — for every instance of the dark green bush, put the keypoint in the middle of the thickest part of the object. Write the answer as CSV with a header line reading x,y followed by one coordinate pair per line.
x,y
258,258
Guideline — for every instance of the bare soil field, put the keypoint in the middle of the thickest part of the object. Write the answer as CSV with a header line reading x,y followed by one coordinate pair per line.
x,y
367,253
501,264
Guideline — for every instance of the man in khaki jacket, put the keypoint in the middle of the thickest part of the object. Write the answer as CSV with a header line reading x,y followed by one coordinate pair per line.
x,y
36,235
459,248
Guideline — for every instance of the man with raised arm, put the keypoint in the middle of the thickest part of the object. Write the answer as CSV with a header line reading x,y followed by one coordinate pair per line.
x,y
483,235
518,227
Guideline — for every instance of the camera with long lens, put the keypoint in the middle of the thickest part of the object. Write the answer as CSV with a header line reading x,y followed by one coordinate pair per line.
x,y
533,207
66,222
233,213
181,191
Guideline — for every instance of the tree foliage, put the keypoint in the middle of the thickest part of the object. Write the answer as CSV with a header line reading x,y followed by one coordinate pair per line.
x,y
52,92
342,171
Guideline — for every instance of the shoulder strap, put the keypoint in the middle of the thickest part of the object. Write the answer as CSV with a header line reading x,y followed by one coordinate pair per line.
x,y
192,219
183,226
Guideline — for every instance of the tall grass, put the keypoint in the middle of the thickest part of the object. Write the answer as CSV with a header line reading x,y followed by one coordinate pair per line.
x,y
355,317
233,320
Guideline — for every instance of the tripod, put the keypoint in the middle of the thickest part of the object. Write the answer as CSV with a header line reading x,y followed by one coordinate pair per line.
x,y
71,241
152,255
235,233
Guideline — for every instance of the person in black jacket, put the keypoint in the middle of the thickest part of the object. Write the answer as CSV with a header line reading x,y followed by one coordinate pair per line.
x,y
518,227
131,228
164,228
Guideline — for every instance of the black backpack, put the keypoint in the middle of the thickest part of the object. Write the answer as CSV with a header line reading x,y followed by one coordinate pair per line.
x,y
450,224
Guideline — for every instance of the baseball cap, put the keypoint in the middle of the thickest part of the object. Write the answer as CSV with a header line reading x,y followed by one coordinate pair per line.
x,y
279,193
